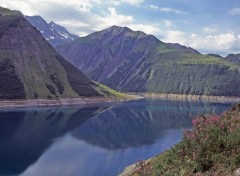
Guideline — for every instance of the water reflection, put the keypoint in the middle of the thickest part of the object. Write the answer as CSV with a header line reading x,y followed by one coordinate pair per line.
x,y
66,141
139,124
26,134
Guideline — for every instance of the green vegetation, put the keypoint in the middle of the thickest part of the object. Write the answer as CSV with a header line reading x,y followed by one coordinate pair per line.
x,y
210,148
11,86
130,61
206,60
196,79
78,81
7,12
110,91
30,68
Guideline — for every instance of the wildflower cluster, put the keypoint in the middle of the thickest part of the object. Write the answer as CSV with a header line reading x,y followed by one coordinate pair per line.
x,y
142,168
212,146
211,138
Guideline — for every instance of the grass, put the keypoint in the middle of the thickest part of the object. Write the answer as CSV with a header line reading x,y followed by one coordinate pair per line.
x,y
113,92
7,12
210,148
207,60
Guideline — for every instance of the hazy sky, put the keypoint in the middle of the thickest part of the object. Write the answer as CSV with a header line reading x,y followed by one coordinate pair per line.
x,y
211,26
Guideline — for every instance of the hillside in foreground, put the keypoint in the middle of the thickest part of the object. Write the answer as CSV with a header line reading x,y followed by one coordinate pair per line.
x,y
210,149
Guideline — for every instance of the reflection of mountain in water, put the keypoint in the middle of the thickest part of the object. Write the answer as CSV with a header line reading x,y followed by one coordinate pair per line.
x,y
132,126
26,134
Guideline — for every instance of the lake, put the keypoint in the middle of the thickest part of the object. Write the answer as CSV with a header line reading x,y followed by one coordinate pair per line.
x,y
99,140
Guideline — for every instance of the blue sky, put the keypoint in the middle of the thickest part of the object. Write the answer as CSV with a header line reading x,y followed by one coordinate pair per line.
x,y
210,26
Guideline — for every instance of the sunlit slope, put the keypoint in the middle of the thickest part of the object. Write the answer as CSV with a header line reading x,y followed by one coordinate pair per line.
x,y
132,61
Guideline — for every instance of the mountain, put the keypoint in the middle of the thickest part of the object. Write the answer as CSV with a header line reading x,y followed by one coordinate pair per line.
x,y
53,33
181,47
234,58
215,55
31,69
133,61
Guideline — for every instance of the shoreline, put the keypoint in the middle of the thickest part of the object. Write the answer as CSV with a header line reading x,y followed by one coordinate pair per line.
x,y
96,100
129,170
188,97
62,102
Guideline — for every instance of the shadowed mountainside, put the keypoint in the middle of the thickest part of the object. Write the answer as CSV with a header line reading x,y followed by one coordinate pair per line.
x,y
235,58
31,69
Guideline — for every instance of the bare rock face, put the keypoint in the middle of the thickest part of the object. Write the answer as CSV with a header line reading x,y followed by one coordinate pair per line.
x,y
133,61
30,68
52,32
237,172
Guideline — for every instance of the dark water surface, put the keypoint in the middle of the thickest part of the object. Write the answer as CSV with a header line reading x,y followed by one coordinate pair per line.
x,y
92,141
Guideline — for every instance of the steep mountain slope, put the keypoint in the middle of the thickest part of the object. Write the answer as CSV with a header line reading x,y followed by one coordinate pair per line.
x,y
132,61
53,33
30,68
234,58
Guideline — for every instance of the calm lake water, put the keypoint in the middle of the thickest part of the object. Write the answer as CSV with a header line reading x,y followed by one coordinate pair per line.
x,y
92,141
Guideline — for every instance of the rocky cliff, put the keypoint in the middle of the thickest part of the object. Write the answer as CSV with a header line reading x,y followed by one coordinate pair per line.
x,y
52,32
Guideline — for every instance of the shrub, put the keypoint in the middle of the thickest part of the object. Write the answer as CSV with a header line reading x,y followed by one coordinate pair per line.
x,y
210,148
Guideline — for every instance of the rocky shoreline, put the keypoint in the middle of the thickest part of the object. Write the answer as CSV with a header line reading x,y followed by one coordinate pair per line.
x,y
62,102
189,97
95,100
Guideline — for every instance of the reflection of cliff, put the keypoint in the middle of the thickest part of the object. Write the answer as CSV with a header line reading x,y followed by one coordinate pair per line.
x,y
135,125
26,134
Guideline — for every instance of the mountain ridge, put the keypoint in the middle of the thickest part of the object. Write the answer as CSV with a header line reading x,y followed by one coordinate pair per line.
x,y
52,32
132,61
234,58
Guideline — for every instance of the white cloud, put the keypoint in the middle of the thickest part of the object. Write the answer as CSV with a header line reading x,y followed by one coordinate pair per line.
x,y
134,2
30,7
223,43
210,30
175,36
165,9
83,17
153,29
153,7
167,23
234,11
194,35
113,18
23,6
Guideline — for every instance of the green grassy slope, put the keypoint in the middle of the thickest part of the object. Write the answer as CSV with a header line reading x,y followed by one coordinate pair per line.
x,y
132,61
211,148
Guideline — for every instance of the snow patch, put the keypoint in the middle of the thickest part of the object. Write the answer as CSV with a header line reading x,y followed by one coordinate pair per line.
x,y
64,35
